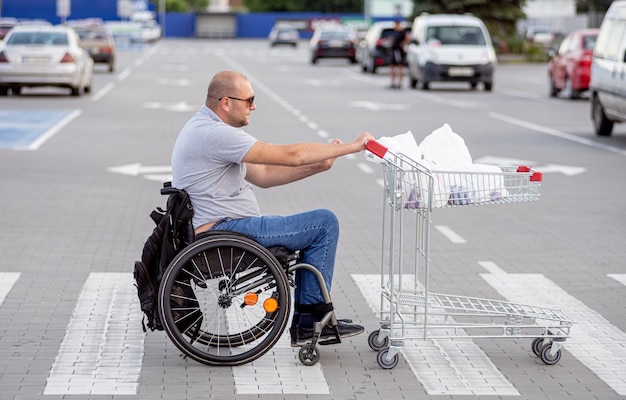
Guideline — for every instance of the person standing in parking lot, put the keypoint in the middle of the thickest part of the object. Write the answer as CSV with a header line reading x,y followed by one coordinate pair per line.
x,y
400,39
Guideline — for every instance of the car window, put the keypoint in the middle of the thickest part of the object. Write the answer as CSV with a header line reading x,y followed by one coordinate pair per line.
x,y
589,42
38,38
456,35
327,35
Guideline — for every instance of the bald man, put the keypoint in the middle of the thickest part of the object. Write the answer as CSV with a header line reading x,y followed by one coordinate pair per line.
x,y
218,163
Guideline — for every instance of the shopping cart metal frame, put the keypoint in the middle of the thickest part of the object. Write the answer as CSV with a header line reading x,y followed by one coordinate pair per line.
x,y
408,309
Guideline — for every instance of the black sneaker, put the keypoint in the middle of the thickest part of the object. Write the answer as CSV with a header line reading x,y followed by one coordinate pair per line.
x,y
305,335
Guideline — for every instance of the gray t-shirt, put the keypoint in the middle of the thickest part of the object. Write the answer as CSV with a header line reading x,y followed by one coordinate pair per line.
x,y
206,162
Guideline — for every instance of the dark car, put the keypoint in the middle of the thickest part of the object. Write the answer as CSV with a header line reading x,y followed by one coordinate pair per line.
x,y
569,71
375,49
333,42
98,41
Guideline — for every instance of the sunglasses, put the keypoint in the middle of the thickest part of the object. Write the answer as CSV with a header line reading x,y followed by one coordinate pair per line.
x,y
249,100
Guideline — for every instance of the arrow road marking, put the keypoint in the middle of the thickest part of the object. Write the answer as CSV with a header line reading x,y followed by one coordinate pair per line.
x,y
501,161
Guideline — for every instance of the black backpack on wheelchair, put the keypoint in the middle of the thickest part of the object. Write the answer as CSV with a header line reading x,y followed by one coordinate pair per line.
x,y
173,231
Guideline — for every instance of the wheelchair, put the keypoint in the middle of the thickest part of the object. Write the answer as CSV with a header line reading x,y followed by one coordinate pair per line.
x,y
225,300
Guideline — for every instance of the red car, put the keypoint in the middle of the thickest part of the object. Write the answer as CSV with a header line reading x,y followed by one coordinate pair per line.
x,y
569,71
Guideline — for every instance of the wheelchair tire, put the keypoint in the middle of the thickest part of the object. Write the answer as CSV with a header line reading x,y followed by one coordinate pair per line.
x,y
224,300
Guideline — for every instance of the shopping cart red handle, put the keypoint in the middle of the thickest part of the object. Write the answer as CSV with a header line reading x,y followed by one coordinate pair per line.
x,y
376,148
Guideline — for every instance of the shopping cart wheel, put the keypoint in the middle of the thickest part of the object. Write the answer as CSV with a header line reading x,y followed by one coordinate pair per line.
x,y
384,362
547,358
537,345
308,355
376,343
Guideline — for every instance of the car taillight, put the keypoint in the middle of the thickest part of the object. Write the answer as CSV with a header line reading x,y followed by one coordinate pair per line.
x,y
106,49
3,58
67,58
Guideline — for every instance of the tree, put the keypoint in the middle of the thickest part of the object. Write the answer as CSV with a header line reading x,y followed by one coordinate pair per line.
x,y
325,6
182,5
500,16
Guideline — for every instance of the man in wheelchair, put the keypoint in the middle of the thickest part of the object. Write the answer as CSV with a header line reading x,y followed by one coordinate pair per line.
x,y
216,161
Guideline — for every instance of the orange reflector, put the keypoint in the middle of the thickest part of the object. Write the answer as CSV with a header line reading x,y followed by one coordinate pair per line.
x,y
250,298
270,305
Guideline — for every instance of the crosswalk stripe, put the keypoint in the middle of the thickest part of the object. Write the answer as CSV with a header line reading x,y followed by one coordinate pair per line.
x,y
280,372
102,351
7,280
595,342
621,278
462,368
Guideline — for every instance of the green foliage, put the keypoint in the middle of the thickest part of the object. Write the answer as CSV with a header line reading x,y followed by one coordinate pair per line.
x,y
325,6
499,16
182,5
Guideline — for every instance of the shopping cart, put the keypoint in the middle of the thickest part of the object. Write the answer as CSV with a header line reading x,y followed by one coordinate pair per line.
x,y
408,309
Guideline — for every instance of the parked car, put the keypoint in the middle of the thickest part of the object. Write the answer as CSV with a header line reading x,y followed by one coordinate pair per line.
x,y
450,47
5,26
608,71
569,70
286,35
374,50
98,41
333,41
33,56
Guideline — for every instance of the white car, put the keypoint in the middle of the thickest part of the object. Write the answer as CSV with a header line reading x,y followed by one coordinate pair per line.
x,y
450,47
32,56
608,72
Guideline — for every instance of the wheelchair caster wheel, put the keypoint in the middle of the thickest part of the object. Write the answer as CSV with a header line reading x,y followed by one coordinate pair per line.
x,y
308,355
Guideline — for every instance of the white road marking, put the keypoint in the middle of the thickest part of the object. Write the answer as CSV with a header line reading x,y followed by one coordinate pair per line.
x,y
621,278
450,234
555,132
461,366
279,371
102,350
36,144
595,342
7,280
102,92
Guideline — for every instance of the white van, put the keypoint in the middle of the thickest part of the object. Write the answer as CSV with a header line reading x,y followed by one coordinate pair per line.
x,y
450,47
608,71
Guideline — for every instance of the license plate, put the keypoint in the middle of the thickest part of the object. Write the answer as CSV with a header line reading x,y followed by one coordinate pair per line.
x,y
460,71
35,59
335,43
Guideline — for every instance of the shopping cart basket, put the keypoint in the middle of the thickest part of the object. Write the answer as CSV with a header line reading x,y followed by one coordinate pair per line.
x,y
408,309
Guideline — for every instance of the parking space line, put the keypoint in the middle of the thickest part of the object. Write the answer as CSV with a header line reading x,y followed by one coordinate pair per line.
x,y
29,130
556,133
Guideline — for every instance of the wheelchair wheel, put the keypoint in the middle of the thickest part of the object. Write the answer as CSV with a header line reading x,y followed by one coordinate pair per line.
x,y
224,300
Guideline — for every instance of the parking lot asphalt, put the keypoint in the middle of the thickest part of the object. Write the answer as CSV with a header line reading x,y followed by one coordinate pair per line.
x,y
81,175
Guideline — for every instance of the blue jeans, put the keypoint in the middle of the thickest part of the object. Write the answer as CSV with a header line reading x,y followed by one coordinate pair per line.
x,y
315,233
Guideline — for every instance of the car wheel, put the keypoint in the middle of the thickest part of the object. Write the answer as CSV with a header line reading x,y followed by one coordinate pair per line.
x,y
77,90
488,86
371,66
553,90
601,124
4,91
16,91
425,85
473,85
412,82
111,66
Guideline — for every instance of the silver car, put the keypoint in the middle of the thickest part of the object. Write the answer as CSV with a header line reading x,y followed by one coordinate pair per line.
x,y
33,56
